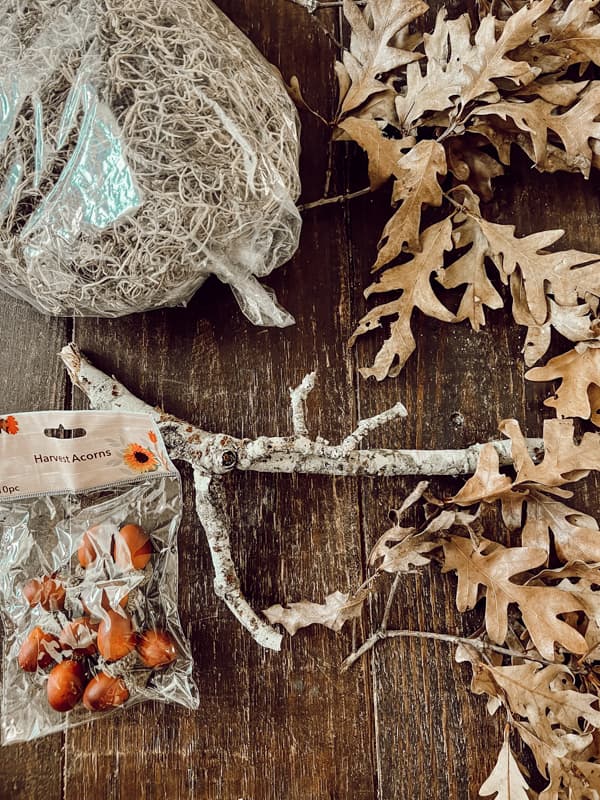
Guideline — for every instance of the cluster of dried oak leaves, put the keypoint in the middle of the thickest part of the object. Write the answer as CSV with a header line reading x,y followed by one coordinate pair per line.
x,y
439,114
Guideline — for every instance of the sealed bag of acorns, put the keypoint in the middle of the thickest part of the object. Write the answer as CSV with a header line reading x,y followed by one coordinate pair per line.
x,y
89,509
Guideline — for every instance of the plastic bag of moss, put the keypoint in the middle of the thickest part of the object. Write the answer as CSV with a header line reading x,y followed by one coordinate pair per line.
x,y
144,145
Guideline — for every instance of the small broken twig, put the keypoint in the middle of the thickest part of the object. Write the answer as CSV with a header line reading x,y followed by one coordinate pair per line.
x,y
339,198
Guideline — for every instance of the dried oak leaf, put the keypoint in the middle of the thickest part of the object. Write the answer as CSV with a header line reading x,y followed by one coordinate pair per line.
x,y
487,60
402,549
577,780
555,761
575,535
575,127
337,609
506,781
579,373
488,484
556,92
575,323
413,280
546,696
582,580
470,268
462,68
385,154
438,88
417,185
565,37
492,567
564,461
567,275
376,47
557,744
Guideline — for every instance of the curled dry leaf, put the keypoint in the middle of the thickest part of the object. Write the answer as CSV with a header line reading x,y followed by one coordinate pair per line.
x,y
337,610
413,279
486,483
579,374
471,164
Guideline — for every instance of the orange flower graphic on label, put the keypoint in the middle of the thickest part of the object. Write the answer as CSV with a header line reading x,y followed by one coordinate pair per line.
x,y
152,437
139,459
9,425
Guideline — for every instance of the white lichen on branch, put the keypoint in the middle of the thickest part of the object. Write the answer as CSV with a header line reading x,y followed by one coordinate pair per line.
x,y
213,454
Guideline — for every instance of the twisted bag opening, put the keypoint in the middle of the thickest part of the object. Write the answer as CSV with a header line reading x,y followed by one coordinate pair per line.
x,y
144,145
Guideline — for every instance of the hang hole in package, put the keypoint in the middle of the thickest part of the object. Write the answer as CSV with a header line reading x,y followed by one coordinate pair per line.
x,y
89,509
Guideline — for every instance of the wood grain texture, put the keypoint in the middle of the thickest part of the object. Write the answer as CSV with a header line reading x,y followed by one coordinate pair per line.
x,y
402,723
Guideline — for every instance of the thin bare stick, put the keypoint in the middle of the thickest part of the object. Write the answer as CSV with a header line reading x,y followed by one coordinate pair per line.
x,y
217,453
477,644
388,606
315,5
102,390
340,198
301,455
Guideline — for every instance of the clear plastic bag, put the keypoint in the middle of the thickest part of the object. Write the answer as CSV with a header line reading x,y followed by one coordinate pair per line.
x,y
88,573
144,145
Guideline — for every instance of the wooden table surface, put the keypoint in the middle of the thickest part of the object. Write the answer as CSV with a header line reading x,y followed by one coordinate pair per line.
x,y
289,726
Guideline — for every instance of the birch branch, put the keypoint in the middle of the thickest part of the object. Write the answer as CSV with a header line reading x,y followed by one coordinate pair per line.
x,y
213,454
298,399
209,507
219,453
